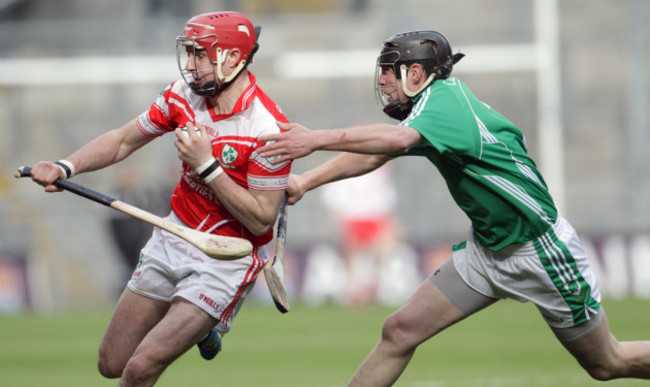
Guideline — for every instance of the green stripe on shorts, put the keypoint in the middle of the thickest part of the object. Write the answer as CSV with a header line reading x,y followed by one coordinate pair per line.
x,y
563,271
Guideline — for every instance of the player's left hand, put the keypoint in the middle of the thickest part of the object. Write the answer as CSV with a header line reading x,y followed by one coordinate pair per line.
x,y
295,190
194,146
295,142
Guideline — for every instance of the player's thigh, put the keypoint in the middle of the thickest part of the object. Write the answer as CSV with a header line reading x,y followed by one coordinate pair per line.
x,y
464,297
426,313
133,318
441,301
183,325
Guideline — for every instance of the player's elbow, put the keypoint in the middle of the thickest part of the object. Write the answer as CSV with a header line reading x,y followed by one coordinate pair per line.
x,y
261,219
260,228
398,146
404,140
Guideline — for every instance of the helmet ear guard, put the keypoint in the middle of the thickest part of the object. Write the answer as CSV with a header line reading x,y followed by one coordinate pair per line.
x,y
409,93
434,75
221,58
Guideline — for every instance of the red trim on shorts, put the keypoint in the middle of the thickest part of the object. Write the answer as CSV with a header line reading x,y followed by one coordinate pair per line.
x,y
250,276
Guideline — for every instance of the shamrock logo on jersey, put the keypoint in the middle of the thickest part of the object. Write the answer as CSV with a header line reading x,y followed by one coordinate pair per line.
x,y
228,154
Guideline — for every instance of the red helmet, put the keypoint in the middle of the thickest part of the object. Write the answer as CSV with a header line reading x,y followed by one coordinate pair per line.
x,y
226,30
218,33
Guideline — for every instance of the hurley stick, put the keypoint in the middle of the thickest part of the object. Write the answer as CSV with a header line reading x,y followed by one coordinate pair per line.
x,y
214,246
274,269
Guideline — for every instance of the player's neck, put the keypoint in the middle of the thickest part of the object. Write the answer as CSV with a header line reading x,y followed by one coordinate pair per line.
x,y
225,101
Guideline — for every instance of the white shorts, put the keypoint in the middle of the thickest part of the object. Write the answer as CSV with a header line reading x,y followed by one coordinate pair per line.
x,y
551,271
170,267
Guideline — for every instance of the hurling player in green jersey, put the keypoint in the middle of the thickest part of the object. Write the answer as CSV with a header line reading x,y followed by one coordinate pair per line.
x,y
518,247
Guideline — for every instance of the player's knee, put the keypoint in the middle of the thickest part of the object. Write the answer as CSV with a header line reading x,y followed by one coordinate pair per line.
x,y
398,331
608,365
108,369
600,373
605,368
109,366
139,369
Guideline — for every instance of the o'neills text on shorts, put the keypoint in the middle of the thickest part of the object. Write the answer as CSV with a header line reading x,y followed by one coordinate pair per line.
x,y
209,301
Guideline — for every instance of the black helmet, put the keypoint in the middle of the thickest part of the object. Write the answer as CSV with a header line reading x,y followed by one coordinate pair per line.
x,y
429,48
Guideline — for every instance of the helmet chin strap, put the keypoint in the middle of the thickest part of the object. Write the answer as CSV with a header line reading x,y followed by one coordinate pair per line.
x,y
406,90
212,89
221,58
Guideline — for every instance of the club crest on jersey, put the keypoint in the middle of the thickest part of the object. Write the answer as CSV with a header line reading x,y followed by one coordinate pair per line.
x,y
228,154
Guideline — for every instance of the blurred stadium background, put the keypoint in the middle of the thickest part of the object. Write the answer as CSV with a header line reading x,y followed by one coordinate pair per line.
x,y
573,74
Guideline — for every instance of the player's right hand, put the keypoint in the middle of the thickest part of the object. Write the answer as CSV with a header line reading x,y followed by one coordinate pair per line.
x,y
44,173
295,141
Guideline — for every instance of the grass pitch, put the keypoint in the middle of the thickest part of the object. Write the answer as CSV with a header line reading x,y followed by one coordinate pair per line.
x,y
506,345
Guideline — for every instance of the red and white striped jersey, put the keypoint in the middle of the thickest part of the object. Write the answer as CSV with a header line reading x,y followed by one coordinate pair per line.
x,y
234,143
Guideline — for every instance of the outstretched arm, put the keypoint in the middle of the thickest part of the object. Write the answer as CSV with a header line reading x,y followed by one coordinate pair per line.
x,y
107,149
297,141
341,167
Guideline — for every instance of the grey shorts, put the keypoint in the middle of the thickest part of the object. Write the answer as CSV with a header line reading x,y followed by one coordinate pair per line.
x,y
553,274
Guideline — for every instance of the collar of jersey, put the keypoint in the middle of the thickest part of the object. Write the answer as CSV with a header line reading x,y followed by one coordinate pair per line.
x,y
242,103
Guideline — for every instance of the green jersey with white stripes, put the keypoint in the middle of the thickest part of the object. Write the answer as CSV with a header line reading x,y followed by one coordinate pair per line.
x,y
482,157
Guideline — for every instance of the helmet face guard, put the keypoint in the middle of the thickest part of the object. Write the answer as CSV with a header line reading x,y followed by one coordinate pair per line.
x,y
393,108
210,37
202,81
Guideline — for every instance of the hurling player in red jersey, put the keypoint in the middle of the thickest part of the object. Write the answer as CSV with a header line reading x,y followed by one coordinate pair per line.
x,y
177,296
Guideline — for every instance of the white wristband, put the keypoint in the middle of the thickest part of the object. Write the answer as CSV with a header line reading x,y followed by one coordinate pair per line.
x,y
67,167
213,175
199,170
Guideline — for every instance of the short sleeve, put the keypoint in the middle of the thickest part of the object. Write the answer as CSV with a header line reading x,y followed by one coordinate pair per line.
x,y
440,118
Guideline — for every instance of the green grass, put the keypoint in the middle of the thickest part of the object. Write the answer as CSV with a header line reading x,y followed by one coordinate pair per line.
x,y
506,345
